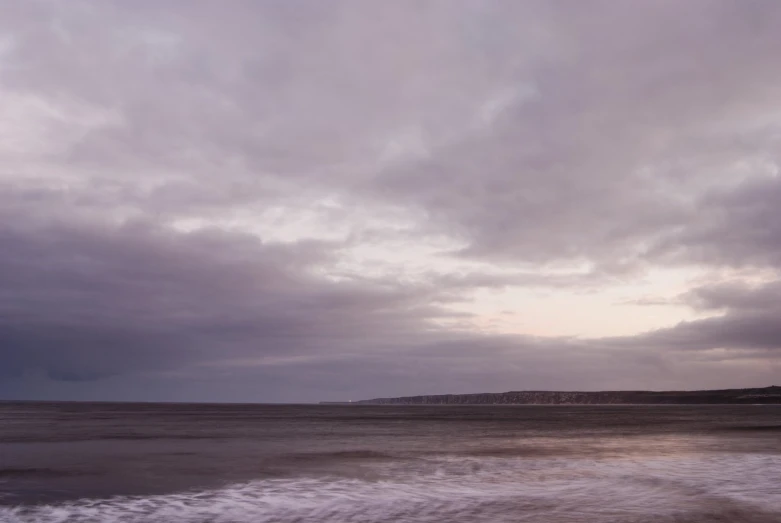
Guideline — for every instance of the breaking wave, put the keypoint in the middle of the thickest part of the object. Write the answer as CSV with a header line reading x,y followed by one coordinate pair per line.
x,y
734,488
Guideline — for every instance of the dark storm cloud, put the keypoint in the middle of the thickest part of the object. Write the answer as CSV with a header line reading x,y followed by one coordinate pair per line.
x,y
96,301
611,137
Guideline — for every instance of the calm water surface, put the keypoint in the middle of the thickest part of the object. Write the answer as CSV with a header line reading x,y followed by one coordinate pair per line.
x,y
62,462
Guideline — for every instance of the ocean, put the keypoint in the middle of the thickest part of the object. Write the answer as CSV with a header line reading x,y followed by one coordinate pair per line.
x,y
103,463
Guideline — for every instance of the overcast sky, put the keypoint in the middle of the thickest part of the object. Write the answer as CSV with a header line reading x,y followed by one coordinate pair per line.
x,y
297,200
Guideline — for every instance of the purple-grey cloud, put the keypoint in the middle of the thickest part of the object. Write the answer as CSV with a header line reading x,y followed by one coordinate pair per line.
x,y
613,138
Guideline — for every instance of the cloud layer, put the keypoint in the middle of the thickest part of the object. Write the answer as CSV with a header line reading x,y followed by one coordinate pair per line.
x,y
294,201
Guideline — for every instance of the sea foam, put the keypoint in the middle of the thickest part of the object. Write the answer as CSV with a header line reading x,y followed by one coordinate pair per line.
x,y
735,488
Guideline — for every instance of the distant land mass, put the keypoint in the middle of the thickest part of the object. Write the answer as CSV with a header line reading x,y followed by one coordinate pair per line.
x,y
765,395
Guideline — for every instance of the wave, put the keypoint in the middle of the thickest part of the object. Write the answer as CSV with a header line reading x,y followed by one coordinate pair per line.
x,y
739,489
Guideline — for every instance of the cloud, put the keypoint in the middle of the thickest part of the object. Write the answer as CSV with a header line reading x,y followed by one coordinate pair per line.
x,y
92,302
298,199
741,327
737,227
628,128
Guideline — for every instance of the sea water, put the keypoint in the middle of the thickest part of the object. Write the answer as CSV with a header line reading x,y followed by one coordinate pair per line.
x,y
101,462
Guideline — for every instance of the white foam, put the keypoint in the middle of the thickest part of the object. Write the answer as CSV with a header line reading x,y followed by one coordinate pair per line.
x,y
492,490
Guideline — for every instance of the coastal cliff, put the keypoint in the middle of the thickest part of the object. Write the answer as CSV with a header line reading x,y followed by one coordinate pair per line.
x,y
766,395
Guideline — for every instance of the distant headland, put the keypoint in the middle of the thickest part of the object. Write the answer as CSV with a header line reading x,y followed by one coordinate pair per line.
x,y
765,395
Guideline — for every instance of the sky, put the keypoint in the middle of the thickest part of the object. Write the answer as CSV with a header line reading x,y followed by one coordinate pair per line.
x,y
299,201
